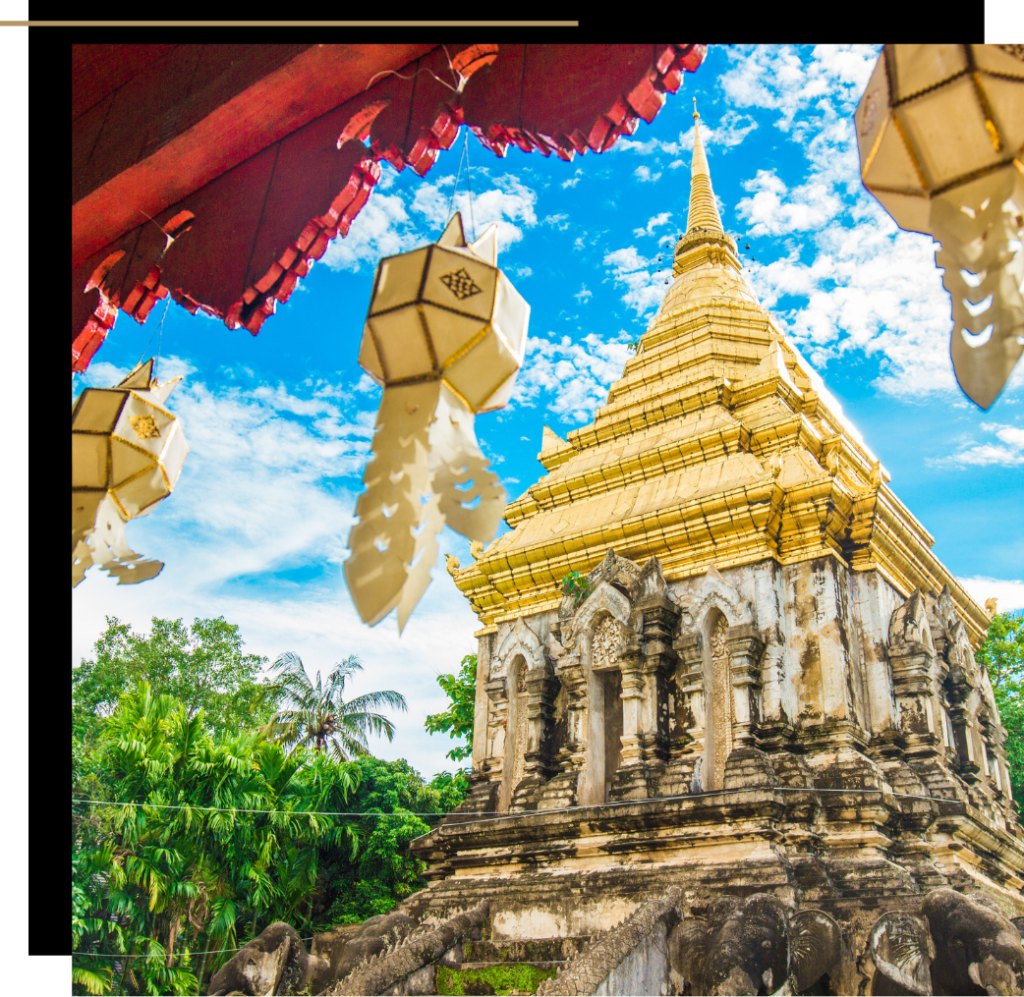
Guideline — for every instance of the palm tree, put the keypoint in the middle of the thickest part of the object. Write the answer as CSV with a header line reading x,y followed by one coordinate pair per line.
x,y
317,714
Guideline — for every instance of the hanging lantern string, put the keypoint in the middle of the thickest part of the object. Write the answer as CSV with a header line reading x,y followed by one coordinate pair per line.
x,y
160,330
469,187
455,89
458,174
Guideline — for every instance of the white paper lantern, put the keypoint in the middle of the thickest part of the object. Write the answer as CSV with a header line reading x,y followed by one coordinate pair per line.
x,y
941,131
127,450
445,336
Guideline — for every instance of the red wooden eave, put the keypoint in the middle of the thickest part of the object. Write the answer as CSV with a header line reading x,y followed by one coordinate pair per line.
x,y
218,174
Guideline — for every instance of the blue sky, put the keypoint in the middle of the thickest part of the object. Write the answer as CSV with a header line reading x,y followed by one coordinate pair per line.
x,y
279,424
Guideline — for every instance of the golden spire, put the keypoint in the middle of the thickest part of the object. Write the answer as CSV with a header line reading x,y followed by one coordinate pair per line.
x,y
703,210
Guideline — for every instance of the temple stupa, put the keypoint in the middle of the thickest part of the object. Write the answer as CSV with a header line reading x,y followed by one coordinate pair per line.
x,y
730,736
757,699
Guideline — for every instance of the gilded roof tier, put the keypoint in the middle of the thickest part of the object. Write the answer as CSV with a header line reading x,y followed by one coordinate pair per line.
x,y
718,446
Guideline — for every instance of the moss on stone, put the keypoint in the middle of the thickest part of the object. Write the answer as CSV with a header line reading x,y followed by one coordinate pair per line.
x,y
491,979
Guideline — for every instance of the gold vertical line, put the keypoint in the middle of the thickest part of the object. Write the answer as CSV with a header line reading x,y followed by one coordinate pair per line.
x,y
986,109
918,168
870,158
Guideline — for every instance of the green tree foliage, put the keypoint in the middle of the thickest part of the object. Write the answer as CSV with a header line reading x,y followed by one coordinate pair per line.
x,y
201,666
1002,653
155,887
403,808
317,714
457,720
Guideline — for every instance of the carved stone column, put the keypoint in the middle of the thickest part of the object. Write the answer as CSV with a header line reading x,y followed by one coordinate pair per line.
x,y
542,688
745,646
658,665
690,711
630,779
561,790
497,692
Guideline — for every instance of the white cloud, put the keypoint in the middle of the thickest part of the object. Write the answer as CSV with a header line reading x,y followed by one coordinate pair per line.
x,y
644,175
256,531
644,289
646,147
774,210
662,218
1009,592
731,130
1008,452
572,181
870,287
570,378
583,294
775,77
507,201
559,221
382,228
395,223
522,271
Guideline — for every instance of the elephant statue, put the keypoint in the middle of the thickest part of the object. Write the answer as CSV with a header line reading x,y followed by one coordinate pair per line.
x,y
957,945
754,946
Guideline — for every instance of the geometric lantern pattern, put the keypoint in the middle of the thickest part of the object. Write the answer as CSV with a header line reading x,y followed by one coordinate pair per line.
x,y
445,336
940,130
127,450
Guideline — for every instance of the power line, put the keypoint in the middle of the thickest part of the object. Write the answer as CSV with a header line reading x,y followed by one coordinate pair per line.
x,y
290,813
155,955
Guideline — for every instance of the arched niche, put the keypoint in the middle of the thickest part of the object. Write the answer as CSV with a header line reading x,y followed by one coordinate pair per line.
x,y
602,641
516,731
718,676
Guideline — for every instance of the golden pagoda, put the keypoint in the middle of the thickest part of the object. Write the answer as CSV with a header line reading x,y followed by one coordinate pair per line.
x,y
719,662
719,446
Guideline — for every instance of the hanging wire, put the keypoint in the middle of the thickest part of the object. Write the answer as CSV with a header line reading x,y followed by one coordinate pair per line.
x,y
160,330
458,174
469,188
244,810
174,955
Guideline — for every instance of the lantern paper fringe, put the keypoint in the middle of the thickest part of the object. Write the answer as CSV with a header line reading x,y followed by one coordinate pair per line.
x,y
979,226
427,470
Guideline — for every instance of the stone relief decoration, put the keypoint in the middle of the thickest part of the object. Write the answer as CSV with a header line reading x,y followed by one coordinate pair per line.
x,y
519,735
613,569
604,645
752,946
519,639
716,592
947,711
604,600
956,944
721,714
909,627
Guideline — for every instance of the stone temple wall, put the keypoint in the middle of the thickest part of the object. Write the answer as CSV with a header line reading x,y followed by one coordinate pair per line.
x,y
821,675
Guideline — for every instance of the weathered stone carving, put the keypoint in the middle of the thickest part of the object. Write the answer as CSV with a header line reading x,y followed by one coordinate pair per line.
x,y
518,640
604,646
716,592
274,962
955,945
946,707
585,973
382,972
753,946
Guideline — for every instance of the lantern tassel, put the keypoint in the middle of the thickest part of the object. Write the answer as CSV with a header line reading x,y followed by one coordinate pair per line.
x,y
99,540
979,227
427,469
